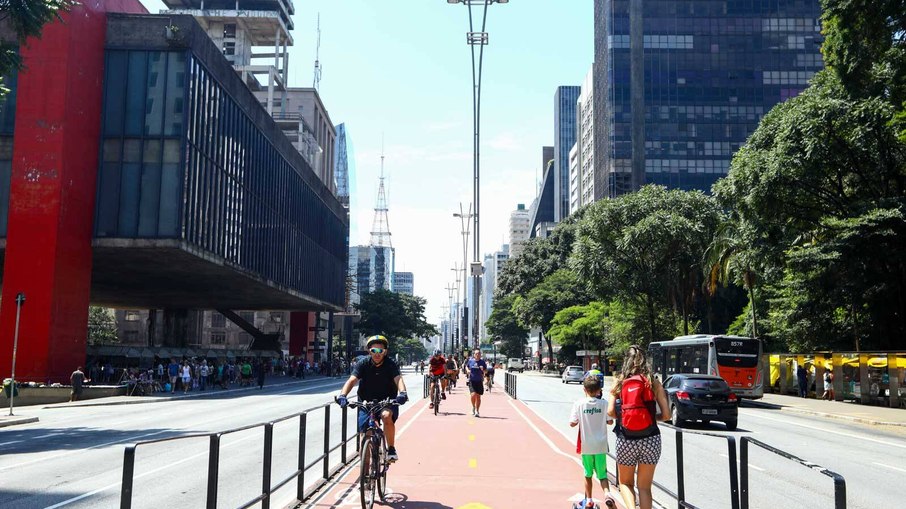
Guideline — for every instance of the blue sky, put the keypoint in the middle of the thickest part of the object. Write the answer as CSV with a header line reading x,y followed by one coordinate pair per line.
x,y
401,69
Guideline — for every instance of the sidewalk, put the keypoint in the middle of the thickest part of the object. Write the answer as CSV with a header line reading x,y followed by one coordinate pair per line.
x,y
864,414
509,457
8,420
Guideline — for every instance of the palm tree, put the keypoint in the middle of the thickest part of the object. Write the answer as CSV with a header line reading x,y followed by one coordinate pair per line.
x,y
729,258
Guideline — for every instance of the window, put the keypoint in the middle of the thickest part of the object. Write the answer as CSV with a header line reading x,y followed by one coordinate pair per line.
x,y
218,338
229,30
248,316
218,320
130,335
229,48
132,316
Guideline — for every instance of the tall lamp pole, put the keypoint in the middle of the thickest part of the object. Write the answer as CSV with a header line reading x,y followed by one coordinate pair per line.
x,y
479,39
464,221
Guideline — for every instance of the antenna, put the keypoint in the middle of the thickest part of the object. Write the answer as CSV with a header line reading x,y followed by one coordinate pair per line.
x,y
317,75
380,230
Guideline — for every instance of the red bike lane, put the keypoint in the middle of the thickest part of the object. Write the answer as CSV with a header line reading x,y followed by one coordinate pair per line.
x,y
507,458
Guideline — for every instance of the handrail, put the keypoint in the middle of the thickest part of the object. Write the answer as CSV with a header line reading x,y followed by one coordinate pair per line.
x,y
509,384
839,481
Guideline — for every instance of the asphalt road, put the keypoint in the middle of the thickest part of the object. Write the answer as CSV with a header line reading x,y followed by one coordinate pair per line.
x,y
871,459
73,457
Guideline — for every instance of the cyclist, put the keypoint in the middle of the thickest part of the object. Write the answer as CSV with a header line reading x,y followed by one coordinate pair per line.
x,y
378,378
476,367
596,373
489,375
436,365
452,370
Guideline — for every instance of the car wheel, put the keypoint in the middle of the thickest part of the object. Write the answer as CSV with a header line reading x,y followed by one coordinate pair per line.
x,y
731,425
674,415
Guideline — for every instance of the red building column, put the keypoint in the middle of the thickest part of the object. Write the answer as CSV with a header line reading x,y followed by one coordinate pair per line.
x,y
52,194
300,333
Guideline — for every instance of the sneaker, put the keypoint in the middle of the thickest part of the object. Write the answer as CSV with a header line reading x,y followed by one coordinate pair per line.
x,y
443,396
476,413
391,454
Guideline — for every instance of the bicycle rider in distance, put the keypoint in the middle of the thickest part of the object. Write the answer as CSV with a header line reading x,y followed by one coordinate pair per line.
x,y
452,370
437,365
378,378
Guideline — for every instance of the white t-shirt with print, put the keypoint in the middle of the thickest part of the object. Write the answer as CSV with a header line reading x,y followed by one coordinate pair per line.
x,y
591,414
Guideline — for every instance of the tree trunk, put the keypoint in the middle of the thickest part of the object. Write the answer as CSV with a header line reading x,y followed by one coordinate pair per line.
x,y
754,313
652,319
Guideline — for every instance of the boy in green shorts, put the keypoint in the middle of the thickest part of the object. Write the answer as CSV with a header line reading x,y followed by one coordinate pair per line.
x,y
590,415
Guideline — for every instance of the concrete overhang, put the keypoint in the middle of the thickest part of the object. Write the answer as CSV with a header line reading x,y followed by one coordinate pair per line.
x,y
169,273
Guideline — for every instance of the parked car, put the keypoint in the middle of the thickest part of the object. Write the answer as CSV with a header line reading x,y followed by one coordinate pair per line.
x,y
573,374
702,398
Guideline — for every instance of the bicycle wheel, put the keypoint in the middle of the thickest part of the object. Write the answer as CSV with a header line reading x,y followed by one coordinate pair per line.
x,y
380,467
436,398
366,474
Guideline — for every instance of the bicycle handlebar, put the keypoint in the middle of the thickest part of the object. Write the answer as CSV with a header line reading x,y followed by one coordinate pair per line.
x,y
372,404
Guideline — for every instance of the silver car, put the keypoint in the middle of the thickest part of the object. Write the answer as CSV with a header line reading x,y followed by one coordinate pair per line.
x,y
573,374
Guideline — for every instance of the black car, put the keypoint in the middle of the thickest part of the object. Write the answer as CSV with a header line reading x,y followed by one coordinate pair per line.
x,y
703,398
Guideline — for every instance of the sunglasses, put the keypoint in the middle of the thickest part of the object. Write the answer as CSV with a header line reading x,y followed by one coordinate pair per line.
x,y
377,350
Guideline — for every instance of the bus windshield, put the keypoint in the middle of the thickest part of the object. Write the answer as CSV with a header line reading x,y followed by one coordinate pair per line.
x,y
739,353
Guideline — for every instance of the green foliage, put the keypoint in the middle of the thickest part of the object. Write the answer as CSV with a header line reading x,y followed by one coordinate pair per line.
x,y
646,248
503,326
410,350
395,315
101,326
557,291
26,18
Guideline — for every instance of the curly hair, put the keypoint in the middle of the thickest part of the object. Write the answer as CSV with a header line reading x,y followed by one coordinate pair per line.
x,y
635,363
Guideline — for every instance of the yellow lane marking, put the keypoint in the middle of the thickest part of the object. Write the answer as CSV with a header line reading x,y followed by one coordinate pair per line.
x,y
471,438
473,463
473,505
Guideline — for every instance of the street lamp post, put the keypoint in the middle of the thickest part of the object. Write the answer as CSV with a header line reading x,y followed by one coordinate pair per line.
x,y
464,221
20,300
479,39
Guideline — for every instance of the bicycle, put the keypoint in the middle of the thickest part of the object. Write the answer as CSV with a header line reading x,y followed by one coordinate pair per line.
x,y
435,393
373,476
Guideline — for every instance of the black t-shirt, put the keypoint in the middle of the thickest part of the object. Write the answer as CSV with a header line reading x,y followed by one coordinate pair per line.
x,y
376,382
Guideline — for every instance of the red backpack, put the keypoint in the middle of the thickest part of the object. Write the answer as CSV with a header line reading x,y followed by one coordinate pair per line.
x,y
637,409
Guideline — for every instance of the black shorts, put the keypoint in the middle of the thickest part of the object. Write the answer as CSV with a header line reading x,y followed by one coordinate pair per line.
x,y
476,387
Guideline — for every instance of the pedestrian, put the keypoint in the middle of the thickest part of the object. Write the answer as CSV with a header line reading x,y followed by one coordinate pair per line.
x,y
173,373
828,385
262,371
77,380
476,367
802,378
186,377
589,415
635,395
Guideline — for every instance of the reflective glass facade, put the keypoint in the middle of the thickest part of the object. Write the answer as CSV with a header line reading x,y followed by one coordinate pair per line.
x,y
182,159
564,138
7,123
680,85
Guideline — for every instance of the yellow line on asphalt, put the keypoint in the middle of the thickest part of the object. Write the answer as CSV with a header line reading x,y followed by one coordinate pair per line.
x,y
473,463
471,438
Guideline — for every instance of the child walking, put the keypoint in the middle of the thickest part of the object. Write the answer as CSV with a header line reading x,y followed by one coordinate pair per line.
x,y
590,415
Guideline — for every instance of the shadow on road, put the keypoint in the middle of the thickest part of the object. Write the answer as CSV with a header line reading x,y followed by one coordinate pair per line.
x,y
401,501
14,499
61,439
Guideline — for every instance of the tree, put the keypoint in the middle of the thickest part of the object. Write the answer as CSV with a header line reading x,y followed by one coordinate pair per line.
x,y
729,259
821,188
585,327
410,350
504,326
394,315
26,18
558,291
646,248
101,326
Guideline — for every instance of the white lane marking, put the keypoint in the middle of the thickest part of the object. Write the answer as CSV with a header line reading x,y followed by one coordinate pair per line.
x,y
48,435
170,465
543,436
750,465
128,439
888,466
833,432
11,442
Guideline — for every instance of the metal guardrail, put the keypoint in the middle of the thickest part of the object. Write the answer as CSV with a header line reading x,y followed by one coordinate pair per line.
x,y
680,495
267,488
509,383
839,481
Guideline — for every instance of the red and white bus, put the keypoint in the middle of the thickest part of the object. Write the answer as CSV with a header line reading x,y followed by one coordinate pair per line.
x,y
736,359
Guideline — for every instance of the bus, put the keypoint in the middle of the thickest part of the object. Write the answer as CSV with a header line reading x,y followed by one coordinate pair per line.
x,y
736,359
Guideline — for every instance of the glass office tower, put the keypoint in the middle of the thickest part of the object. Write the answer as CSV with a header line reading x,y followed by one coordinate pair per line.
x,y
680,85
564,138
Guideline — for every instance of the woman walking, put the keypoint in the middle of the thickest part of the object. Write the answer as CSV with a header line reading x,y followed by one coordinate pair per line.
x,y
638,438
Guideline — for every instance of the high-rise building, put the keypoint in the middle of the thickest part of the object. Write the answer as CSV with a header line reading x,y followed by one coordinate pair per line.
x,y
370,269
520,223
582,162
564,138
680,85
544,205
493,264
404,282
344,169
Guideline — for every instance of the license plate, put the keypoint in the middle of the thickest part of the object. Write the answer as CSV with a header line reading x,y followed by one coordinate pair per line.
x,y
709,411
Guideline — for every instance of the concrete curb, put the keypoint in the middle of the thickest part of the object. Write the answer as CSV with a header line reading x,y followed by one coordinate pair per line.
x,y
804,411
138,400
6,421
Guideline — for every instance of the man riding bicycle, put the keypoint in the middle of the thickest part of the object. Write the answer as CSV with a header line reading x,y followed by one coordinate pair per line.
x,y
378,378
437,366
489,375
452,370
